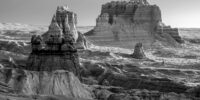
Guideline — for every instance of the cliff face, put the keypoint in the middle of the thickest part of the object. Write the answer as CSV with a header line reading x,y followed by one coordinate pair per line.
x,y
123,24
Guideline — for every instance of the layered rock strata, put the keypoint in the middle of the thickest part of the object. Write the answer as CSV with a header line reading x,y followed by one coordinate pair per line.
x,y
173,32
62,83
129,77
56,49
125,23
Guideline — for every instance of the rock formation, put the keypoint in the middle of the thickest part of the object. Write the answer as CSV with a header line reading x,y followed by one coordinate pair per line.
x,y
63,23
138,51
81,42
55,50
137,94
62,83
125,23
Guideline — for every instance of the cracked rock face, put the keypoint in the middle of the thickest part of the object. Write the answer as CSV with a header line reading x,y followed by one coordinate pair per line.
x,y
126,23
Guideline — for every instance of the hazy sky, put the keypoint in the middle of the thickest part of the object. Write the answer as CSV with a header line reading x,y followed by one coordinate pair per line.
x,y
177,13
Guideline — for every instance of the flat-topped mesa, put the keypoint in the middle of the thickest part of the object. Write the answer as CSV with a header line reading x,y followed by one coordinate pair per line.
x,y
55,49
125,23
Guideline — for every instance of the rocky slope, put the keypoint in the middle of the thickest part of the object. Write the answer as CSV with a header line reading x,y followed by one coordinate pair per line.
x,y
125,23
44,83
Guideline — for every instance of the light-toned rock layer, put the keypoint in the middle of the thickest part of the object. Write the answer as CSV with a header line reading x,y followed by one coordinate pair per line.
x,y
125,23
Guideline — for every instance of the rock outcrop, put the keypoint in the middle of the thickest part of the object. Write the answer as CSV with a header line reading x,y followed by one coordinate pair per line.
x,y
129,77
56,50
62,83
138,52
116,93
81,42
64,22
125,23
173,32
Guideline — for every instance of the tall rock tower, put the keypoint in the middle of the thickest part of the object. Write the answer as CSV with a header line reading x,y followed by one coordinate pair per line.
x,y
55,49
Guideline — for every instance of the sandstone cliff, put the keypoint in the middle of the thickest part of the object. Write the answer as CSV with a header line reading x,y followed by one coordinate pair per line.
x,y
125,23
56,49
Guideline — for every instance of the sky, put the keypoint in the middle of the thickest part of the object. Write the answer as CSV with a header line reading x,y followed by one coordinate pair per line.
x,y
177,13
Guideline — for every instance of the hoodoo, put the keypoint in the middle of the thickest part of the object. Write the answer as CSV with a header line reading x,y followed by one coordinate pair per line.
x,y
55,49
125,23
138,52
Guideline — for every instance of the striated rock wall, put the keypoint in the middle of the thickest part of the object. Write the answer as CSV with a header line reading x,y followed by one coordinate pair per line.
x,y
173,32
125,23
46,62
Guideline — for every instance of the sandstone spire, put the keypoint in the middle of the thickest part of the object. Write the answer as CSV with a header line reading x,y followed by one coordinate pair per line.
x,y
55,50
54,25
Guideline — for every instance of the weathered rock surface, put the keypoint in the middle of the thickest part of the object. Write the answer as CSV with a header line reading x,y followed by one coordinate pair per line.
x,y
173,32
63,22
61,82
15,46
81,42
138,52
125,23
130,77
56,49
116,93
